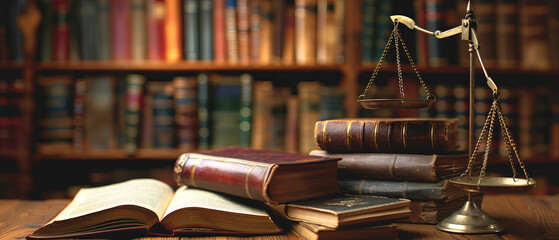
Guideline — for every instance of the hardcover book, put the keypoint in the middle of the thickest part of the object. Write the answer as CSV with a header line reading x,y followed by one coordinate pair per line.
x,y
263,175
413,167
346,210
389,135
414,190
309,231
147,206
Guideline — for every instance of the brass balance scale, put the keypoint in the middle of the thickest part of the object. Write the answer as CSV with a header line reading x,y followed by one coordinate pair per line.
x,y
469,219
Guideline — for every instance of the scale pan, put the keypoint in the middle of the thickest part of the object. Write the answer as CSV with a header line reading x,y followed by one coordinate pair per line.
x,y
494,184
394,103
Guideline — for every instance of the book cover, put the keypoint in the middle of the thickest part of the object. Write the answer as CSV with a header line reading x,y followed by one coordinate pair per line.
x,y
415,190
267,176
61,31
346,210
308,231
153,208
389,135
243,31
411,167
155,18
191,32
173,30
305,32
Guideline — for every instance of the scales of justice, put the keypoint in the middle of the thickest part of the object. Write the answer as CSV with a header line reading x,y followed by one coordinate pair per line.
x,y
469,219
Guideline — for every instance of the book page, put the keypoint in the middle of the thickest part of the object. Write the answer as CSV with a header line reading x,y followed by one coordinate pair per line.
x,y
148,193
196,198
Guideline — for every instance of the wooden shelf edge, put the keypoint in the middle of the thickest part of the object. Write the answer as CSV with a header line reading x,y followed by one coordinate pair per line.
x,y
113,154
175,66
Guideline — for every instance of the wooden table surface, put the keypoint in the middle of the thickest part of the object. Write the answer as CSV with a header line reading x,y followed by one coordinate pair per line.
x,y
523,216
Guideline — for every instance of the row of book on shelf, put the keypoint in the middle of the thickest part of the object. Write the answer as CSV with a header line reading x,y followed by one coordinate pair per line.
x,y
512,34
531,112
356,185
205,111
234,31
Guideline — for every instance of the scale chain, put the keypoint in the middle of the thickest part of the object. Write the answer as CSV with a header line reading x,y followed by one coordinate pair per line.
x,y
492,114
400,79
478,144
375,72
510,143
412,63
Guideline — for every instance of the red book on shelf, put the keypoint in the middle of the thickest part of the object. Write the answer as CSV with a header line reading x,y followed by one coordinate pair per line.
x,y
220,42
173,30
156,29
120,30
61,31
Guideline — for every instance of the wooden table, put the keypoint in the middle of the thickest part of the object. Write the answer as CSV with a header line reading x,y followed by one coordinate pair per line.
x,y
523,216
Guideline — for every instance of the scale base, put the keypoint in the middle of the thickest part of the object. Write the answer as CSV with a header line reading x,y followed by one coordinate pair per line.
x,y
469,220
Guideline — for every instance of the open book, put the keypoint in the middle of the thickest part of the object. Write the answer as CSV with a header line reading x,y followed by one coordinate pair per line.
x,y
147,205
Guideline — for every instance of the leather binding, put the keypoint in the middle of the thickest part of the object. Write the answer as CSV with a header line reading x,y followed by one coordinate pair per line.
x,y
243,171
413,167
411,135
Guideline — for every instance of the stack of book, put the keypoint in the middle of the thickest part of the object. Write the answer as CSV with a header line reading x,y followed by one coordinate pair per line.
x,y
399,158
229,191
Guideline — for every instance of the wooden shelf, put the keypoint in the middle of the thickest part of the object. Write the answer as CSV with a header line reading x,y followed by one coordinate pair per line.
x,y
179,66
115,154
11,65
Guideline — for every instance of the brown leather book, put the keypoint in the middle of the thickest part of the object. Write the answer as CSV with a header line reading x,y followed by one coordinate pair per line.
x,y
262,175
412,167
388,135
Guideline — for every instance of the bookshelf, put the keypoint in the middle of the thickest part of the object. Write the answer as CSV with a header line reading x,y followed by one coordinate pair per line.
x,y
348,76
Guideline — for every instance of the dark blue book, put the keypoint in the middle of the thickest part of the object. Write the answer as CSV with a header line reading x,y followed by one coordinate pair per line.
x,y
369,15
88,29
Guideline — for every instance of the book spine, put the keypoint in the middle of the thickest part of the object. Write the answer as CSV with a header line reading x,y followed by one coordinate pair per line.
x,y
243,28
138,29
309,114
228,175
383,27
156,29
88,28
103,22
173,30
266,38
147,131
191,33
133,95
339,19
99,128
305,32
461,106
395,189
325,32
186,112
225,93
526,113
206,30
434,13
120,31
245,112
45,30
4,116
5,28
412,167
16,36
254,21
204,120
278,30
78,136
506,27
331,103
219,29
261,113
535,52
486,17
61,31
368,30
163,114
443,106
288,55
386,136
231,31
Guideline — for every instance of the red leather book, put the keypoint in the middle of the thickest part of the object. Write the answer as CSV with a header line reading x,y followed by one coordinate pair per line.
x,y
390,135
262,175
156,29
220,42
120,30
61,31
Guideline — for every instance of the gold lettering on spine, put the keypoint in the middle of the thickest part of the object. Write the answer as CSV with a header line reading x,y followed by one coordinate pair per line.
x,y
195,162
375,133
432,135
348,136
247,179
404,134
